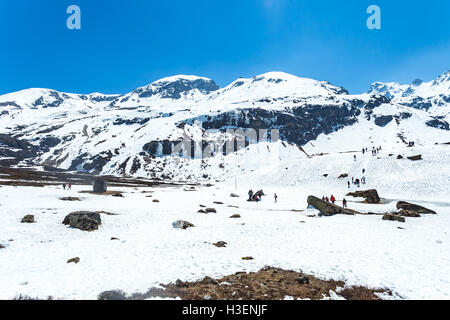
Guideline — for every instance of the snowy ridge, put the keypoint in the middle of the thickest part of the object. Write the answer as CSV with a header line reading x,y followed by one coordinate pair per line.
x,y
138,133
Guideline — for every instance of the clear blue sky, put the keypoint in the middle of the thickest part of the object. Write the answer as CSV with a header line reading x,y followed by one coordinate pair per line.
x,y
126,44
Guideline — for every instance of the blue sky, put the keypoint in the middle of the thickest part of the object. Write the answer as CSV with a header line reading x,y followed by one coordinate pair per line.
x,y
126,44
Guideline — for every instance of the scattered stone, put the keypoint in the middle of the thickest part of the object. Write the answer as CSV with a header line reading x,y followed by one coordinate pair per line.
x,y
371,195
190,189
399,157
233,195
202,211
114,239
118,195
221,244
247,258
180,224
2,246
156,201
415,158
325,175
342,176
393,217
83,220
149,196
74,260
70,199
202,206
210,210
235,216
414,207
100,186
401,228
230,206
217,202
28,219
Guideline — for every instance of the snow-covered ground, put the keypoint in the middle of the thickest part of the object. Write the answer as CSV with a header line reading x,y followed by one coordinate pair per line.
x,y
413,261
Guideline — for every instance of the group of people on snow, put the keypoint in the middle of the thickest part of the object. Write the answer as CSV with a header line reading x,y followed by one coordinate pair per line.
x,y
357,182
68,186
332,199
256,197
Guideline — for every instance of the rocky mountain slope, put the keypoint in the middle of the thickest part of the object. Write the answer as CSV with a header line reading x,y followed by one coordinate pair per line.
x,y
187,128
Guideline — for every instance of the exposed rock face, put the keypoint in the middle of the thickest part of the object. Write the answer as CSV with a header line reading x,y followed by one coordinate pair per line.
x,y
210,210
233,195
327,208
100,186
371,195
409,213
342,176
393,217
83,220
414,207
235,216
180,224
28,219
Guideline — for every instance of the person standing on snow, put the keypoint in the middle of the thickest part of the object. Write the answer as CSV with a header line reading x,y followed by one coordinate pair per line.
x,y
333,199
344,203
348,182
275,197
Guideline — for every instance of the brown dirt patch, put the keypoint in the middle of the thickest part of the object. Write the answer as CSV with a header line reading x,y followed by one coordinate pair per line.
x,y
267,284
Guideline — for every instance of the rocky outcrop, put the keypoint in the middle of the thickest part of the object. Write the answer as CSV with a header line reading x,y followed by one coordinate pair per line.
x,y
414,207
371,195
327,208
83,220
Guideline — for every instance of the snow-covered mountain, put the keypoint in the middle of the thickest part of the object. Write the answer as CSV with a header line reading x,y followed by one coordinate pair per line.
x,y
162,130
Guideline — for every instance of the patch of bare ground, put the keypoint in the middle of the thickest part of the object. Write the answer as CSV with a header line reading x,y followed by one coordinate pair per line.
x,y
267,284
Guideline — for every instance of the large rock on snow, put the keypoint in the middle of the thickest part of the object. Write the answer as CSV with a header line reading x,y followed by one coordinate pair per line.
x,y
83,220
100,186
180,224
371,195
327,208
415,158
414,207
28,219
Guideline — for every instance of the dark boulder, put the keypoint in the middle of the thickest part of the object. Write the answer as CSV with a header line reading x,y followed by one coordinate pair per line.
x,y
413,207
415,158
371,195
28,219
210,210
83,220
100,186
342,176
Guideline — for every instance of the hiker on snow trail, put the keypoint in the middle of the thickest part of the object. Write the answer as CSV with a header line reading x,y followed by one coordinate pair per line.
x,y
364,171
348,182
333,199
64,186
250,195
354,157
344,203
276,197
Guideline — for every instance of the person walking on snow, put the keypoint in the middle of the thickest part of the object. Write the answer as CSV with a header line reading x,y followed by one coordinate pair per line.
x,y
276,197
348,182
333,199
354,157
344,203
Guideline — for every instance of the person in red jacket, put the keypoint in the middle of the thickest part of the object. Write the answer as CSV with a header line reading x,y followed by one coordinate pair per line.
x,y
333,199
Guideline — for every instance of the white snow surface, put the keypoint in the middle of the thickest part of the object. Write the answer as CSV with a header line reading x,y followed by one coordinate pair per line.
x,y
360,250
